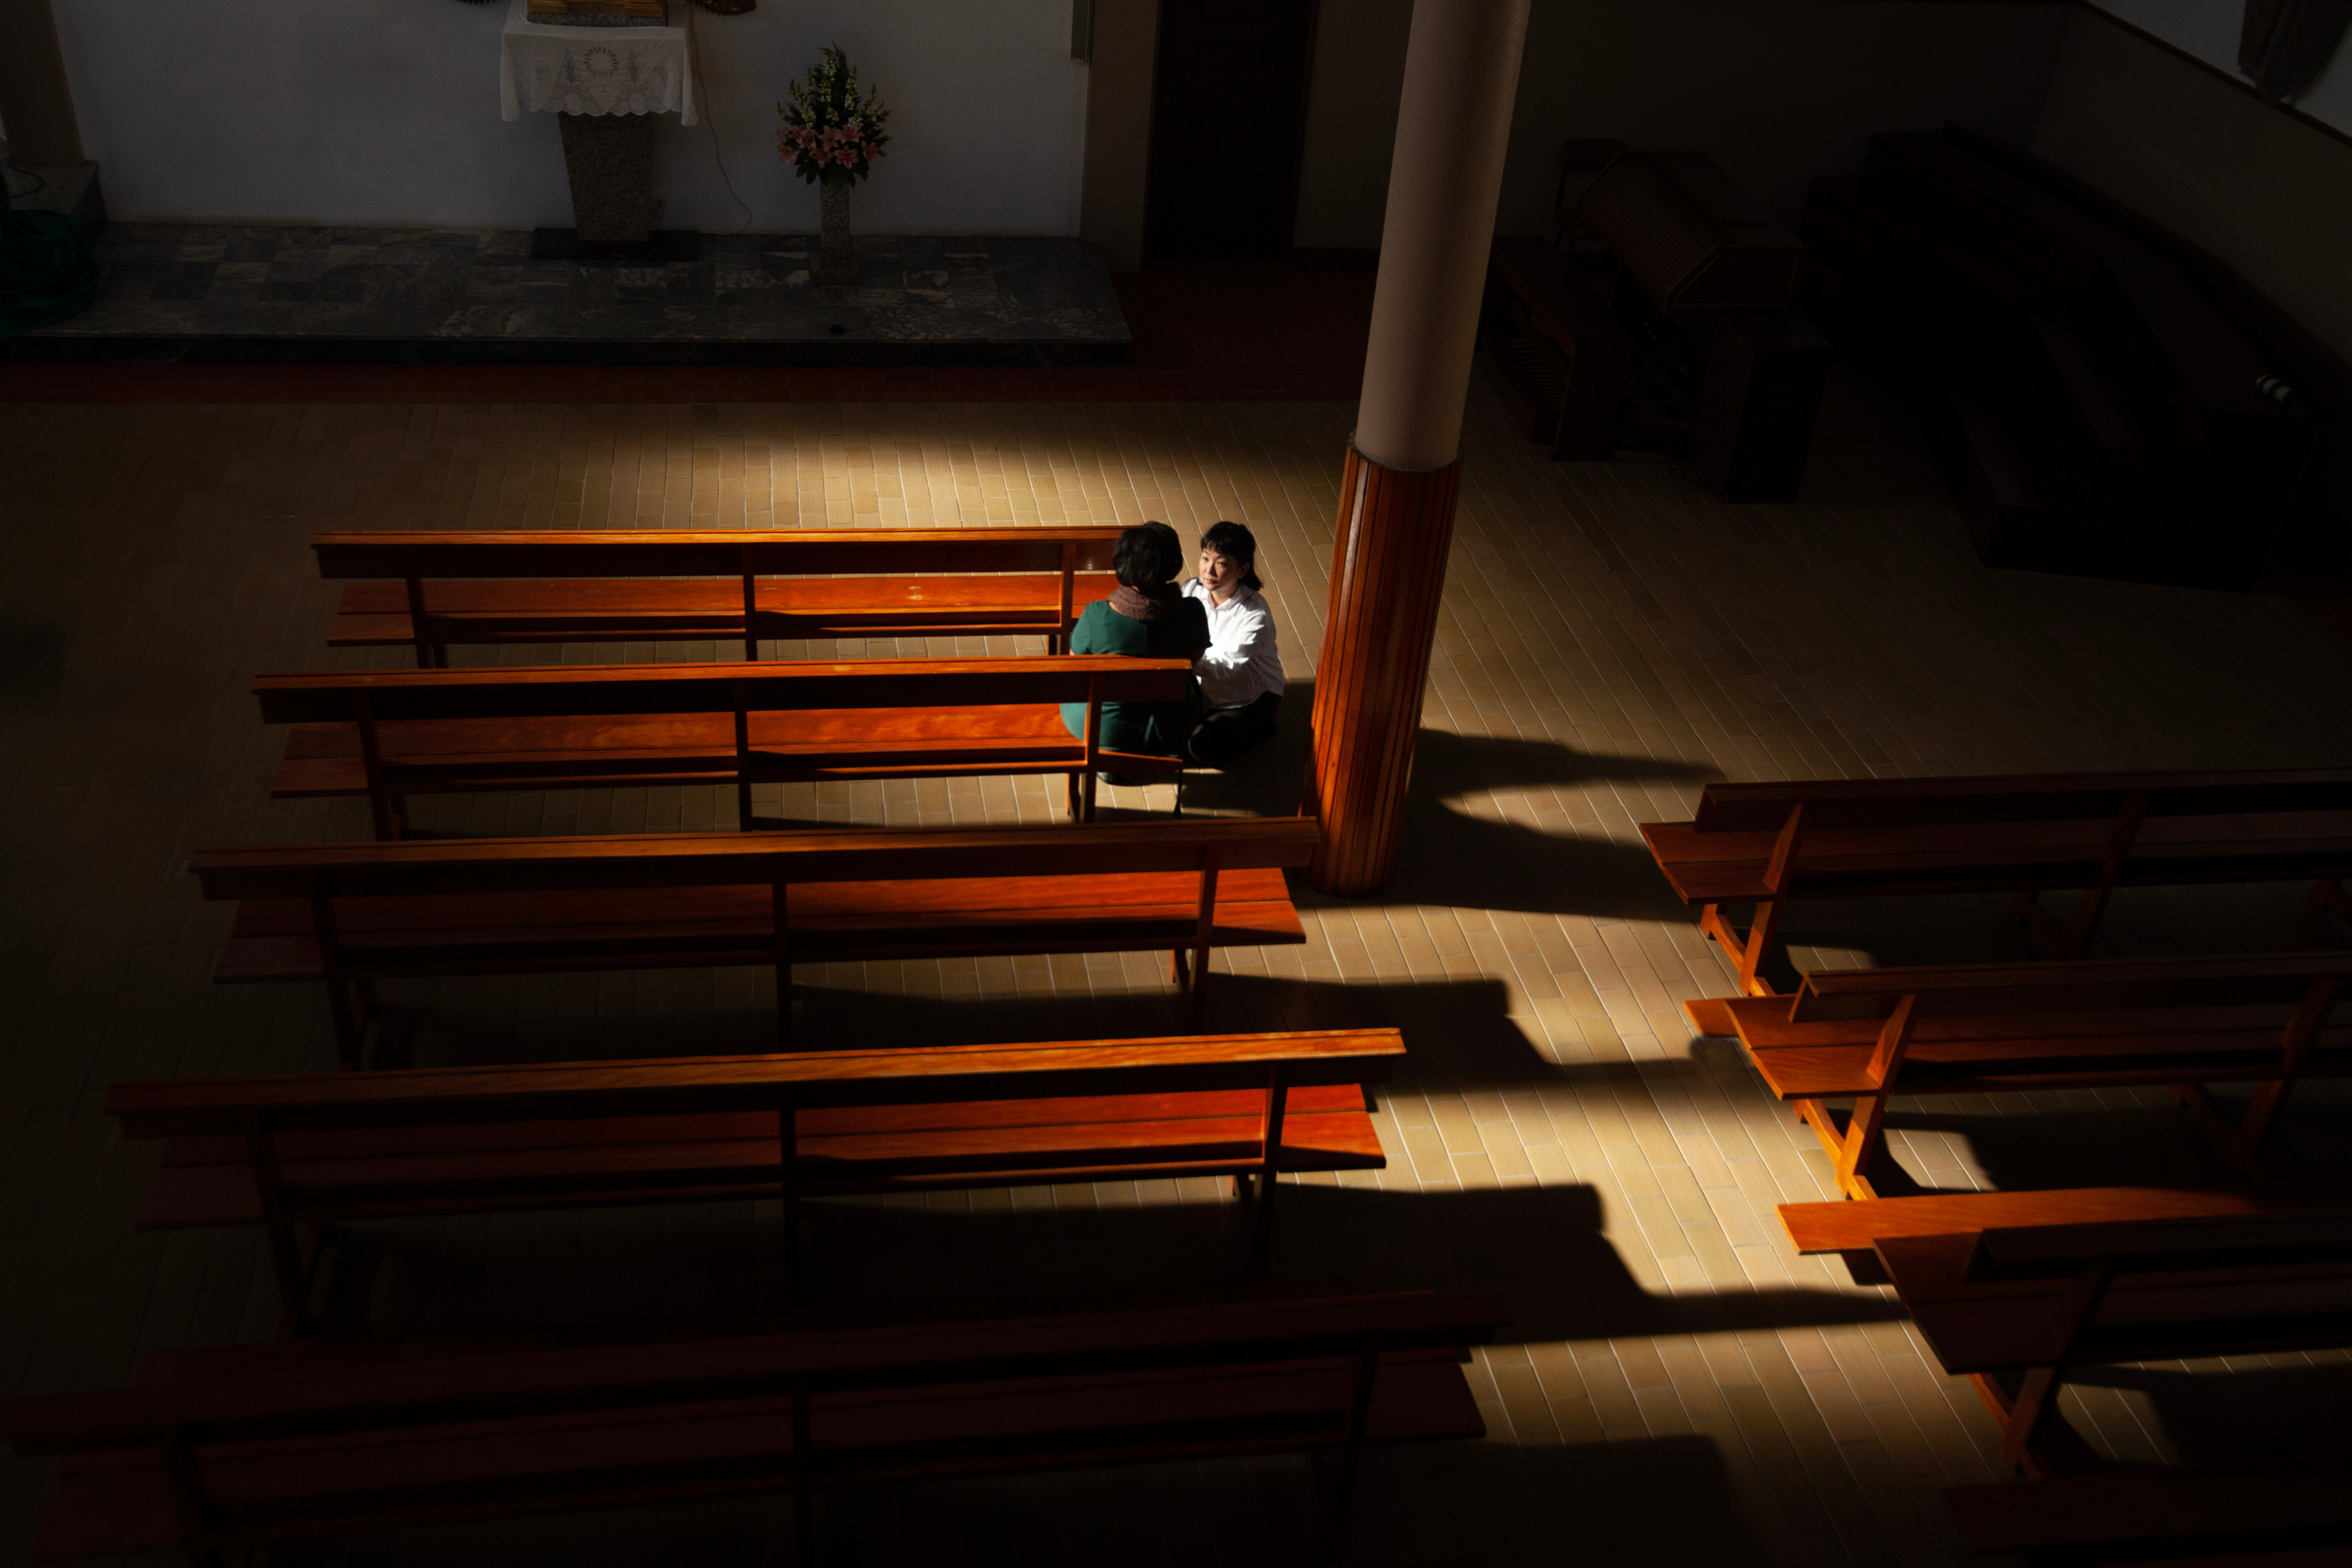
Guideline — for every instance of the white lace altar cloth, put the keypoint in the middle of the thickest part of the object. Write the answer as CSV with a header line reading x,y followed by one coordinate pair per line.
x,y
594,70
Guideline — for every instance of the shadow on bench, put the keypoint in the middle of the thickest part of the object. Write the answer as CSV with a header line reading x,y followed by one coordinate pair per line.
x,y
389,735
349,915
432,588
218,1450
294,1154
1983,1028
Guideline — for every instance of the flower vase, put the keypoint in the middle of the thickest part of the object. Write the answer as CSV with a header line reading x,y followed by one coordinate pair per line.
x,y
836,262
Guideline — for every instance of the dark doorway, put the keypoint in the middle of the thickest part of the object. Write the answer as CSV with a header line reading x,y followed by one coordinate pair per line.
x,y
1226,129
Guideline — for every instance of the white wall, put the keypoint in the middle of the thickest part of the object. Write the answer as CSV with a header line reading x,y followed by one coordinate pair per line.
x,y
386,112
2266,193
2210,29
1778,91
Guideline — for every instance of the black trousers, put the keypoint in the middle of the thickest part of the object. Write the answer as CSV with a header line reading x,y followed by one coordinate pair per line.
x,y
1225,733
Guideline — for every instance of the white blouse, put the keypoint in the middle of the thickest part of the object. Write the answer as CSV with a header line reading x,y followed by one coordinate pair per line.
x,y
1241,664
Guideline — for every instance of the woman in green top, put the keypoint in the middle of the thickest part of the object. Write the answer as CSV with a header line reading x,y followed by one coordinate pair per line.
x,y
1145,617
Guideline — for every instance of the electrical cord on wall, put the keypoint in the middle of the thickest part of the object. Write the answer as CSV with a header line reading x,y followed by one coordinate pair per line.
x,y
710,118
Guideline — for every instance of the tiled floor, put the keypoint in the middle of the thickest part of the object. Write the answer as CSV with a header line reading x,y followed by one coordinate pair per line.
x,y
1676,1387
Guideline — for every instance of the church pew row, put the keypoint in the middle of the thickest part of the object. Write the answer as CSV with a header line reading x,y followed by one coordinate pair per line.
x,y
349,915
1773,844
2185,1519
389,735
294,1152
214,1451
1981,1028
2012,1290
433,589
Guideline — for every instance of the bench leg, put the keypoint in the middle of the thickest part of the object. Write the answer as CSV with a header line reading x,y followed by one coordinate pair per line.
x,y
1200,984
1746,952
1070,796
2328,893
2242,1141
1851,1147
1178,972
349,1003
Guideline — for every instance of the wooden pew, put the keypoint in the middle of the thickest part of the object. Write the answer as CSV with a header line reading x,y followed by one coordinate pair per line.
x,y
1551,346
430,589
2188,1519
348,915
1980,1029
2015,1308
388,734
211,1452
294,1152
1770,844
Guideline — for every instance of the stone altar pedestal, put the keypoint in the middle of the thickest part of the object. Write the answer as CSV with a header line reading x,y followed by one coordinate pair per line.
x,y
606,85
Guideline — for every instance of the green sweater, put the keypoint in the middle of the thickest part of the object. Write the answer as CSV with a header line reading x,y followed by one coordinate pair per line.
x,y
1148,729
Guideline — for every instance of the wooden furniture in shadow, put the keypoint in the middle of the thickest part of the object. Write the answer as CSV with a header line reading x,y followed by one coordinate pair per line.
x,y
431,589
1771,844
2016,1309
2194,1519
294,1154
350,915
1985,1028
389,735
210,1452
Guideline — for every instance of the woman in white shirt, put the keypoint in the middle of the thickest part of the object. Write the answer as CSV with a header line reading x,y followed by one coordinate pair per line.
x,y
1241,675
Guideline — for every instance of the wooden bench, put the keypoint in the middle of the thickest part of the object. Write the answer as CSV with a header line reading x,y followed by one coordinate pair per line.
x,y
1769,844
1981,1028
432,589
298,1151
348,915
214,1451
388,734
2189,1519
1551,347
2013,1307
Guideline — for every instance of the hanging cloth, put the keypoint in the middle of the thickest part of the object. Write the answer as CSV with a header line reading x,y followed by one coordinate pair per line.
x,y
45,271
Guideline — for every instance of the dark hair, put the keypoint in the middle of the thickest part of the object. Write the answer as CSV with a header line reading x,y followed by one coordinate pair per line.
x,y
1172,550
1235,542
1139,559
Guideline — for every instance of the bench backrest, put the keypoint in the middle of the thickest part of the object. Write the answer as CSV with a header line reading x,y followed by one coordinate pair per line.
x,y
712,553
317,1103
511,1381
604,690
2027,797
745,859
2320,1238
2080,986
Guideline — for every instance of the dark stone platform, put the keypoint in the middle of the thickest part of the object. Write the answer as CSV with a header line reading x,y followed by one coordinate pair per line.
x,y
250,295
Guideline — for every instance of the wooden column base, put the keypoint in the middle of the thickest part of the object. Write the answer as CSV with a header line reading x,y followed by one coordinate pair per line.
x,y
1388,572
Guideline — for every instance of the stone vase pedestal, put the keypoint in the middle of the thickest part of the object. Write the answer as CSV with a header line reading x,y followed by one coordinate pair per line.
x,y
836,262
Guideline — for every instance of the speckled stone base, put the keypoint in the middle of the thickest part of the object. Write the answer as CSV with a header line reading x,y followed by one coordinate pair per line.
x,y
237,295
610,158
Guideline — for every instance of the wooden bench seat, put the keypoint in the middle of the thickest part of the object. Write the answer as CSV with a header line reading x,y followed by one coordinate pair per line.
x,y
1769,844
2014,1307
389,735
2189,1519
348,915
295,1151
431,589
308,1439
1982,1028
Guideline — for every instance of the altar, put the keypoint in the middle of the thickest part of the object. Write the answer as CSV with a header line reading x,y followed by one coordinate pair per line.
x,y
606,85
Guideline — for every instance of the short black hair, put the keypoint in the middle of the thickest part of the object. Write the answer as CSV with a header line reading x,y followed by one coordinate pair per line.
x,y
1235,542
1171,549
1140,560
